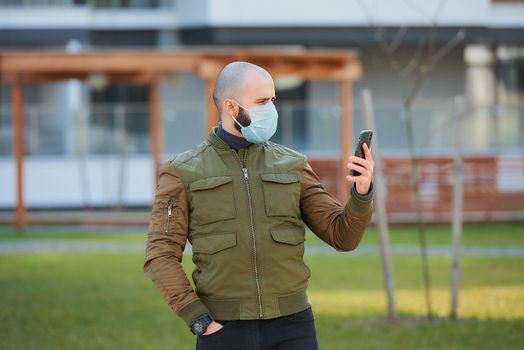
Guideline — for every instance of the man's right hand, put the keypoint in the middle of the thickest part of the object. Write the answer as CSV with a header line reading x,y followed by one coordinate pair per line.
x,y
213,327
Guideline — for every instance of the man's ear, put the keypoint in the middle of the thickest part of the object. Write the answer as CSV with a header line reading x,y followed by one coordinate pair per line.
x,y
229,107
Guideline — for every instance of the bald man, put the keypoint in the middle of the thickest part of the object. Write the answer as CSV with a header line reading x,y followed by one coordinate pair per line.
x,y
243,203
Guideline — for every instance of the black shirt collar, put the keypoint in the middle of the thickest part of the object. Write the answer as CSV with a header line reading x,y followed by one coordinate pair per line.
x,y
233,141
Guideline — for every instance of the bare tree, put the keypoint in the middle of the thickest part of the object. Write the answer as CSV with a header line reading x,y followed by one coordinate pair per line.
x,y
380,197
411,77
458,193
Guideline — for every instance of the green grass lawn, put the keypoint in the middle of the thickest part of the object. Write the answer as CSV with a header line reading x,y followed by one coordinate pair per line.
x,y
102,300
481,234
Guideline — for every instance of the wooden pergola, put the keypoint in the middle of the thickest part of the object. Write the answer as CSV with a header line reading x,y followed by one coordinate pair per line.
x,y
148,68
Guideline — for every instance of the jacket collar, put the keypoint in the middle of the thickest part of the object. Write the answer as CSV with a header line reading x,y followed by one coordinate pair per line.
x,y
219,144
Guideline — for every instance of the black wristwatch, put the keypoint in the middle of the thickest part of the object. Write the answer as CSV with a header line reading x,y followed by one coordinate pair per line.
x,y
199,326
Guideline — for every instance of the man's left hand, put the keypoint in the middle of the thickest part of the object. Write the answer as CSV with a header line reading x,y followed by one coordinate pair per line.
x,y
365,167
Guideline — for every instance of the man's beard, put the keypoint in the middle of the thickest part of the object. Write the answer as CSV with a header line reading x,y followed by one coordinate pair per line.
x,y
242,118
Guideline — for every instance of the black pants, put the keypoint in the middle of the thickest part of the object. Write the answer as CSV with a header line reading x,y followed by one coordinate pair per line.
x,y
292,332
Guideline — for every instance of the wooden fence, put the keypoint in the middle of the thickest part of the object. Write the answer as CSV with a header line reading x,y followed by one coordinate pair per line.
x,y
493,187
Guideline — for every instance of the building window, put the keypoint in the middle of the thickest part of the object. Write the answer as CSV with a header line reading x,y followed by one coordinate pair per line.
x,y
119,120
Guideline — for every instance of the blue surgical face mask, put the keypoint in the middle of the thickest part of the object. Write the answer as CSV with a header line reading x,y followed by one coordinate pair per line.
x,y
263,125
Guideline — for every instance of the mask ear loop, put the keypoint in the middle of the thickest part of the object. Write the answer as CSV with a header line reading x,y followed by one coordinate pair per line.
x,y
236,121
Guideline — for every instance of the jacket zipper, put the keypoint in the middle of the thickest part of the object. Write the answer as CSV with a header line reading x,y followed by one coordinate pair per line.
x,y
169,214
252,225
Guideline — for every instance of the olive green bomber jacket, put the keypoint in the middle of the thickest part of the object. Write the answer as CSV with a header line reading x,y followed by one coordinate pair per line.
x,y
244,215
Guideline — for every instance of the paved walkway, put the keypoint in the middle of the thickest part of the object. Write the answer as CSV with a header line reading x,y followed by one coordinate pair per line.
x,y
397,249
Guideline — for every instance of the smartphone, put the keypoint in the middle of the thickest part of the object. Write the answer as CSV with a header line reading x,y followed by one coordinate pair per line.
x,y
365,137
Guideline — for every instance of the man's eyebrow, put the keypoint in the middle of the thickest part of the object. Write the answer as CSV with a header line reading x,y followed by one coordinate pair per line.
x,y
260,99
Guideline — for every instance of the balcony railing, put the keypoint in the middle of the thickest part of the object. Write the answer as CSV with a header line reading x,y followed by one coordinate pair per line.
x,y
113,128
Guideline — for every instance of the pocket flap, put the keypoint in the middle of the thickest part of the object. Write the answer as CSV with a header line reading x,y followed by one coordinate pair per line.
x,y
210,244
210,182
280,178
288,235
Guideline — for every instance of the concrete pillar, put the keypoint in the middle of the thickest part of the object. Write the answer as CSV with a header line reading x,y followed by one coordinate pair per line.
x,y
511,126
480,93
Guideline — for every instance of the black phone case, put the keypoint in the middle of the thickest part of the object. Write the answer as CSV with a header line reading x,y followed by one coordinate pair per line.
x,y
364,137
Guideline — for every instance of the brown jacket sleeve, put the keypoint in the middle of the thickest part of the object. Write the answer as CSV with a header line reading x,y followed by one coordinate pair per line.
x,y
165,244
340,227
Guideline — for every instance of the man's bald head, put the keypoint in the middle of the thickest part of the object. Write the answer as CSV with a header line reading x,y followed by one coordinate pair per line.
x,y
231,80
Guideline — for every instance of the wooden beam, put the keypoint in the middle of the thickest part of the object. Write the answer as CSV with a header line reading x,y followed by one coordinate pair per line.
x,y
155,127
346,138
112,78
301,55
107,62
307,69
211,111
18,150
208,69
134,66
53,77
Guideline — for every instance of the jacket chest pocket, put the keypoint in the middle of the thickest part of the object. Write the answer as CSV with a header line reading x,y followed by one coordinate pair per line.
x,y
211,244
211,200
281,194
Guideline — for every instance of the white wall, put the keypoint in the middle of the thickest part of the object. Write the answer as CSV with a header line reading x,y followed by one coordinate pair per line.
x,y
233,13
86,18
65,181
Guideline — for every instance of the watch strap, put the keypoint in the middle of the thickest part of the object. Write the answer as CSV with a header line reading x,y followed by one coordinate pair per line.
x,y
199,326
